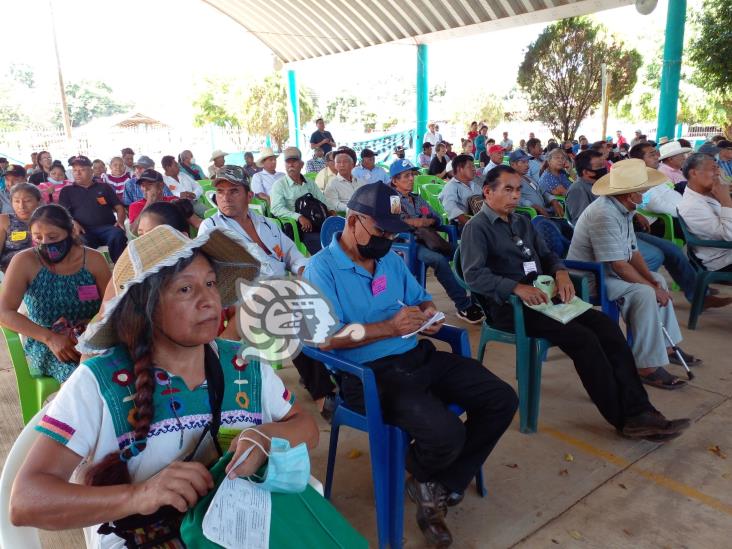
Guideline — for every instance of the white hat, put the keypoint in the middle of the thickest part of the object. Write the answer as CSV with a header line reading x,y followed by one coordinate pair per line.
x,y
218,153
628,176
265,153
672,148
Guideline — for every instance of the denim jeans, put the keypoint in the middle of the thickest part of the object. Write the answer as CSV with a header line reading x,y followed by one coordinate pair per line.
x,y
445,276
106,235
657,251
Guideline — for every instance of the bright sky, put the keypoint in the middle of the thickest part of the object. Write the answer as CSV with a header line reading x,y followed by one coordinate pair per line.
x,y
154,53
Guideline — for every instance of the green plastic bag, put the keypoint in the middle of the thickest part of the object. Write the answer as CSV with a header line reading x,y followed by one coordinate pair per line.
x,y
305,520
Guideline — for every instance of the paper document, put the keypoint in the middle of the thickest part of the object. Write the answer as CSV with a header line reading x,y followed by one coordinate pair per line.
x,y
437,317
562,312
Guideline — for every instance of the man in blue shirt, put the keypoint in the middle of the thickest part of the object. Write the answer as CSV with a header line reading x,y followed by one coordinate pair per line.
x,y
368,171
322,138
725,160
368,285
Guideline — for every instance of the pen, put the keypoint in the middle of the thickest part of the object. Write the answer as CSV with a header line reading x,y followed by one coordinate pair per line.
x,y
402,303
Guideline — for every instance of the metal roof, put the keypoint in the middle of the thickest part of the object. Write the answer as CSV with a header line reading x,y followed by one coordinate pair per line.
x,y
304,29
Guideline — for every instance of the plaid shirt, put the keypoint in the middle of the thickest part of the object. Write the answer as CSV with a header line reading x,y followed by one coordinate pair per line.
x,y
315,165
414,206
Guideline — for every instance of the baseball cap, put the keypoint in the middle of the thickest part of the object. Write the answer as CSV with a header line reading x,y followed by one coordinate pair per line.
x,y
144,162
291,153
495,149
398,148
15,170
709,148
382,204
150,175
724,144
517,155
80,160
232,174
368,153
401,165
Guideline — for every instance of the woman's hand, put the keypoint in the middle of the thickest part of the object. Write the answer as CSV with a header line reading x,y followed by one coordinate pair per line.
x,y
180,484
255,459
63,346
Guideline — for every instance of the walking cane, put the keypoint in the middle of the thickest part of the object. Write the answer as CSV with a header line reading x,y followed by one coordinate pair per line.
x,y
676,349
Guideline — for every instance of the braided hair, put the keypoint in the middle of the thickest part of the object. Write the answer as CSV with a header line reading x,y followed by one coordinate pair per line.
x,y
133,319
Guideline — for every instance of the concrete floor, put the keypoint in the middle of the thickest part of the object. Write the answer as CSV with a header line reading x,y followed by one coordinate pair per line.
x,y
573,484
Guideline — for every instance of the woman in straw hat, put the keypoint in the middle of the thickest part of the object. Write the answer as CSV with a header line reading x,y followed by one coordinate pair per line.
x,y
138,414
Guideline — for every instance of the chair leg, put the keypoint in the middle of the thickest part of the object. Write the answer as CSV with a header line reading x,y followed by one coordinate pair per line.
x,y
398,444
523,365
479,484
482,345
538,351
697,303
380,449
334,428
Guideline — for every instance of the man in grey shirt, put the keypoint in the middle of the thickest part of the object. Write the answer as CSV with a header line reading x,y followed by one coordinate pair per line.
x,y
590,167
605,234
459,189
501,254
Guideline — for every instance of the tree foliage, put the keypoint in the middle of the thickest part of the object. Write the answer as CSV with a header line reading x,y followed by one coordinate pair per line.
x,y
87,100
710,53
484,106
562,70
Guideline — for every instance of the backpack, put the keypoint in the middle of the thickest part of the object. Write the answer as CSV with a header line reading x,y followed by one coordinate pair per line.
x,y
313,209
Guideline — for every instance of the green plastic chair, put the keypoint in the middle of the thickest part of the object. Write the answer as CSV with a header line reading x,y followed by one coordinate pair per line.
x,y
430,192
530,351
668,225
528,210
310,176
703,277
421,180
282,221
260,206
210,212
424,171
32,391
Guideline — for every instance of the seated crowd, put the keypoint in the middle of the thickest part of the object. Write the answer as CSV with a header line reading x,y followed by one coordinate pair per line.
x,y
180,238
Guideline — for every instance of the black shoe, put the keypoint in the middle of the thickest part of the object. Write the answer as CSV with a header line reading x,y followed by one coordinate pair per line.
x,y
329,406
473,314
454,498
429,497
652,424
662,438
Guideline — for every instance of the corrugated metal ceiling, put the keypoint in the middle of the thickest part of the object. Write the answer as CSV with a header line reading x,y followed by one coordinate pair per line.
x,y
303,29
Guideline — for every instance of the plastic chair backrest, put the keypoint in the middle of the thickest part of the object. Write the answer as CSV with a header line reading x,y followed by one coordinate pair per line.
x,y
11,535
311,176
330,226
552,236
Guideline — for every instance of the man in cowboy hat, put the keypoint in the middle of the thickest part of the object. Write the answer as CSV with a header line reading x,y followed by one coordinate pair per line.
x,y
604,233
501,255
672,156
431,136
218,158
263,181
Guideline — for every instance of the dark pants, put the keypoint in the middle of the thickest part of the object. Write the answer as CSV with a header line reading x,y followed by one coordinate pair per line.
x,y
315,376
415,389
107,235
310,240
600,354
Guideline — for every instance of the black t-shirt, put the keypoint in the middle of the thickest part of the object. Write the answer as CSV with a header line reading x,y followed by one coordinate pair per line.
x,y
91,206
38,177
318,136
437,166
484,158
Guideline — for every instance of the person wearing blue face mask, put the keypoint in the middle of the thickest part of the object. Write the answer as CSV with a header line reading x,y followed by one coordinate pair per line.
x,y
61,283
367,284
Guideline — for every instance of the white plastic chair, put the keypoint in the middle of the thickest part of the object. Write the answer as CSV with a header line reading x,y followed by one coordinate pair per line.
x,y
12,536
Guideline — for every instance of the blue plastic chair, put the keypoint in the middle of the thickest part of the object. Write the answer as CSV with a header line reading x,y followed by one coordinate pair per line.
x,y
330,226
387,444
703,277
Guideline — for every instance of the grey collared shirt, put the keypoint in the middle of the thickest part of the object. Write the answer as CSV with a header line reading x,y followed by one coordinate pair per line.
x,y
579,196
604,233
532,195
455,195
414,206
492,261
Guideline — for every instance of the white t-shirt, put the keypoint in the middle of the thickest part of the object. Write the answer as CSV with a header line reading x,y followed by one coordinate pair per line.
x,y
185,184
79,417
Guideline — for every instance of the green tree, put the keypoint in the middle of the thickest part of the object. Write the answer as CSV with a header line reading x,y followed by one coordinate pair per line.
x,y
87,100
710,53
343,109
264,109
214,105
484,106
561,73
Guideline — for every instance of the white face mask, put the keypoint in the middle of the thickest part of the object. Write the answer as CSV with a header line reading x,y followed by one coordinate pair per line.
x,y
636,203
55,181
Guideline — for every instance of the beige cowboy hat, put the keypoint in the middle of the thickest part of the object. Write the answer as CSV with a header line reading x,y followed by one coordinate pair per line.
x,y
628,176
673,148
164,247
218,153
266,152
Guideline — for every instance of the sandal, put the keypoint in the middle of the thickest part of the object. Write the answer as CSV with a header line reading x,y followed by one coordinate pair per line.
x,y
661,379
691,360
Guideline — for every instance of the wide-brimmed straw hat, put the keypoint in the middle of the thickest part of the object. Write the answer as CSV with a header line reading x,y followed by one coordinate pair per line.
x,y
265,153
163,247
672,148
628,176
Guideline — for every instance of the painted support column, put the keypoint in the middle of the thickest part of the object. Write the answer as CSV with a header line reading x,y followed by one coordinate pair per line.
x,y
671,71
294,114
422,96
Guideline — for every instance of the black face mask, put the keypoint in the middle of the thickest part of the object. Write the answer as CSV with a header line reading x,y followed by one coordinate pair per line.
x,y
55,252
376,248
599,173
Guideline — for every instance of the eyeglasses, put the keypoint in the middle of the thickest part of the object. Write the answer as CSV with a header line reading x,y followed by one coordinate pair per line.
x,y
525,250
384,234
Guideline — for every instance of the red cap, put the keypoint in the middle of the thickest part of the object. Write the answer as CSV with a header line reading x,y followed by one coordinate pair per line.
x,y
495,149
